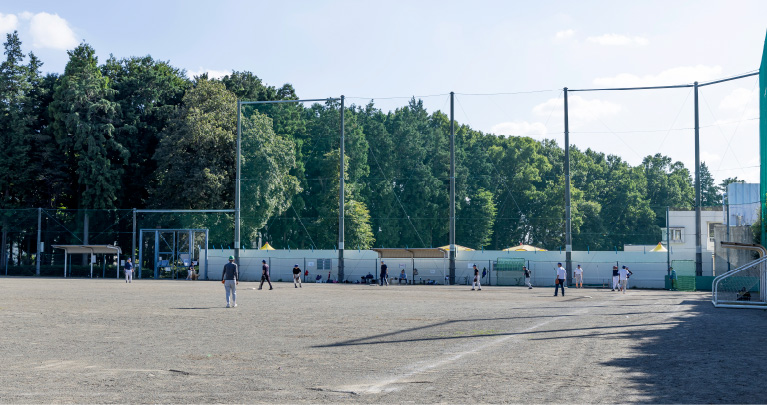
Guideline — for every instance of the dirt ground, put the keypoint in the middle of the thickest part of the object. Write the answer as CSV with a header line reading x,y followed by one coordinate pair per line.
x,y
105,341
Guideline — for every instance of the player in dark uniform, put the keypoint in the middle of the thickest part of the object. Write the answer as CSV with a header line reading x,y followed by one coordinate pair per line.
x,y
296,276
384,274
476,279
265,275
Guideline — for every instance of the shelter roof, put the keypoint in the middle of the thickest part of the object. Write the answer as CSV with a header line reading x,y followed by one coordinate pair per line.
x,y
95,249
396,253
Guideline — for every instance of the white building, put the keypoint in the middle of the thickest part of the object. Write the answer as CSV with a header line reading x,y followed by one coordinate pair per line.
x,y
743,202
682,234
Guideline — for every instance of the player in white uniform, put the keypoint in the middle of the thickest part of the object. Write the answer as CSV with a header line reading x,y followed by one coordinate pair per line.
x,y
578,272
623,274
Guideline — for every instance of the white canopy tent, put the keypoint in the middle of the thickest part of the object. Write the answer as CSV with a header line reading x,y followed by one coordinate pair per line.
x,y
93,250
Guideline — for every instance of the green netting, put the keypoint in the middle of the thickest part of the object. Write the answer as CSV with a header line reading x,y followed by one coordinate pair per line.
x,y
684,267
509,271
685,283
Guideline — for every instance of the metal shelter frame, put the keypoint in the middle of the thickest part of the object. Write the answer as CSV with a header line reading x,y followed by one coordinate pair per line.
x,y
93,250
174,252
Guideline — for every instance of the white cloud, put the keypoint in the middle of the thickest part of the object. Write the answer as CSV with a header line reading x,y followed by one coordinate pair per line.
x,y
8,23
51,31
520,128
579,109
677,75
564,34
737,99
212,74
618,40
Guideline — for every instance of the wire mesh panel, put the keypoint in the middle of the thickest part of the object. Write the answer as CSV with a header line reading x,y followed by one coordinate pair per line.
x,y
743,286
508,271
685,274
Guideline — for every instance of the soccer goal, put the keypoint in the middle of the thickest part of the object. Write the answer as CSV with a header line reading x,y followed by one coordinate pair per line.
x,y
743,287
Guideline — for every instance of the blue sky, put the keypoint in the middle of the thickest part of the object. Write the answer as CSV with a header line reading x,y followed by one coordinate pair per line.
x,y
394,50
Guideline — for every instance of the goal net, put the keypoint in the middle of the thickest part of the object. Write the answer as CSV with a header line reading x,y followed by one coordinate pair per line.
x,y
742,287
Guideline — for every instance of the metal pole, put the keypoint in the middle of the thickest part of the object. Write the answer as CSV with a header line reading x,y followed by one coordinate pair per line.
x,y
156,254
39,240
137,265
341,201
568,231
452,189
668,244
207,232
133,245
698,250
4,253
727,201
237,189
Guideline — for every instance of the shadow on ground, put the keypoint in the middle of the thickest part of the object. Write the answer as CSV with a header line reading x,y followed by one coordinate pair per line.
x,y
709,355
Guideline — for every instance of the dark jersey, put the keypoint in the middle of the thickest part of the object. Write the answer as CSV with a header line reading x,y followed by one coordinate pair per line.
x,y
296,270
384,270
615,273
265,270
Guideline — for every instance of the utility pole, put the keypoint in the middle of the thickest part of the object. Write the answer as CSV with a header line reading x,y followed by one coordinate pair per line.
x,y
568,231
237,188
341,202
698,249
451,265
39,240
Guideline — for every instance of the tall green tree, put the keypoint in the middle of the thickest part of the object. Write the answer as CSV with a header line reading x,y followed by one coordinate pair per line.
x,y
16,85
148,93
710,193
83,123
196,154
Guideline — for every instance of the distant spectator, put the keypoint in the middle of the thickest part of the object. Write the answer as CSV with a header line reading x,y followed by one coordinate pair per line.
x,y
402,276
672,279
191,274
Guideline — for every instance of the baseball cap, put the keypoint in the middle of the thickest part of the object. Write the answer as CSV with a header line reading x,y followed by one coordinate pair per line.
x,y
231,257
263,261
295,265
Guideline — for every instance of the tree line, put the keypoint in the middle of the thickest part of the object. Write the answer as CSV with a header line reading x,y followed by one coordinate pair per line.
x,y
137,133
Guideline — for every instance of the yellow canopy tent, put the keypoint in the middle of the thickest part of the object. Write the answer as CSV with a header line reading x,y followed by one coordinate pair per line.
x,y
458,248
659,248
524,248
267,246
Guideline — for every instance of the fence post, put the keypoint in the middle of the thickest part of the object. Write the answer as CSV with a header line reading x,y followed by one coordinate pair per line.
x,y
39,241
